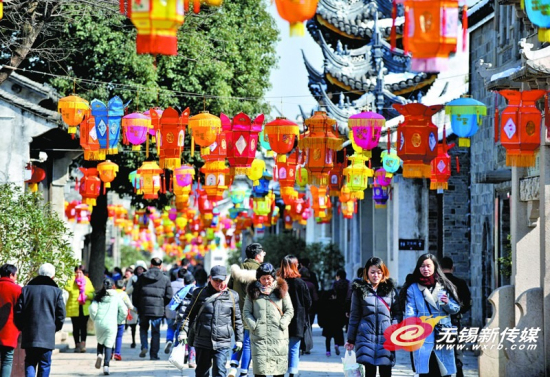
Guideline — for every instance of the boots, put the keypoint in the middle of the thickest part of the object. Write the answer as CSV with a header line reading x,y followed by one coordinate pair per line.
x,y
77,348
82,347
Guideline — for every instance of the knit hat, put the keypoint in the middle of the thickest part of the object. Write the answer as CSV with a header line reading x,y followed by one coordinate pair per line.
x,y
265,269
253,249
188,278
141,264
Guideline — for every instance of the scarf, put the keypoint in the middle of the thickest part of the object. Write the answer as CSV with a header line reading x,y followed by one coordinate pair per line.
x,y
81,283
427,281
266,290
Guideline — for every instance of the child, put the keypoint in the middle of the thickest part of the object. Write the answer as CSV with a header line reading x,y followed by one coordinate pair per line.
x,y
107,311
120,331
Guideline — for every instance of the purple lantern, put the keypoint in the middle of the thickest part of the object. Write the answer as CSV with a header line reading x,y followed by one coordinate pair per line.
x,y
184,175
381,179
365,132
380,195
135,127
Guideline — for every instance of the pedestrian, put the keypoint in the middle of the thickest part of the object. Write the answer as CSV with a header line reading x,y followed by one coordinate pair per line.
x,y
301,302
39,314
152,292
201,280
313,293
117,274
341,287
128,273
140,269
121,324
241,276
181,291
465,297
268,312
107,311
9,294
374,308
210,321
427,292
132,318
331,320
305,262
81,292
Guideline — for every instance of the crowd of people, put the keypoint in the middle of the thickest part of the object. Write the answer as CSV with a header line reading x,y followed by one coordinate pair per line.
x,y
265,311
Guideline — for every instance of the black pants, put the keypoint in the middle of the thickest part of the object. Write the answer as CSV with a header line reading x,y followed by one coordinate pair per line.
x,y
80,326
433,368
106,351
384,370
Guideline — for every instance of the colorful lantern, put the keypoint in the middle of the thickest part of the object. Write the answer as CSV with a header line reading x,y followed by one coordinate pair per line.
x,y
107,123
431,32
73,109
204,129
285,173
37,176
150,179
296,12
520,125
135,180
172,136
391,162
83,214
365,130
136,127
320,201
183,179
107,173
243,140
89,142
217,151
205,207
262,189
380,195
70,210
348,205
262,206
381,178
466,116
417,139
282,134
256,171
215,179
157,23
336,177
288,217
319,145
441,167
538,12
155,114
302,177
357,176
264,143
90,186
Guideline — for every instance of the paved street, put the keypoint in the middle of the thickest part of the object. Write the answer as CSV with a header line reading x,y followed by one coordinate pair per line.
x,y
69,364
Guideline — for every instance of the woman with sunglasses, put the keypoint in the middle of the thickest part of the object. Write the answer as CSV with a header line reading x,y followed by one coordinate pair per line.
x,y
267,313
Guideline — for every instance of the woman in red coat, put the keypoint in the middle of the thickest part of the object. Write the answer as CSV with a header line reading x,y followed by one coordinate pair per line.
x,y
9,293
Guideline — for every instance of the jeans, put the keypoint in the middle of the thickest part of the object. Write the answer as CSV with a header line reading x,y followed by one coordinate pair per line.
x,y
170,331
80,326
155,334
6,357
38,359
107,352
293,354
433,370
384,370
118,343
204,362
244,355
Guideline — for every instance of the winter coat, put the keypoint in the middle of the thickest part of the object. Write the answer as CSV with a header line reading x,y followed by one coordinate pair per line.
x,y
107,314
9,293
268,328
369,318
39,313
241,277
72,302
330,317
128,303
214,327
152,292
301,302
418,299
177,285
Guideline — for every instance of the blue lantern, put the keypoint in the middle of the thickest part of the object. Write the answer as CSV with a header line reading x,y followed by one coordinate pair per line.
x,y
264,143
391,162
107,123
380,195
538,12
261,190
466,116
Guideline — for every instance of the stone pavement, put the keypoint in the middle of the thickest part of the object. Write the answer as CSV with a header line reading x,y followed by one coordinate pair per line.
x,y
69,364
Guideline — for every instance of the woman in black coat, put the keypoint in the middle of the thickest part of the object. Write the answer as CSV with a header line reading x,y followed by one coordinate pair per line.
x,y
301,302
374,307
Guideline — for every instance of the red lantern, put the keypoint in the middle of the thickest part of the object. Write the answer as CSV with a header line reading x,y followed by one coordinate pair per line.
x,y
90,186
70,210
441,166
37,176
281,134
285,173
288,217
243,141
172,136
336,177
206,208
417,139
89,141
520,127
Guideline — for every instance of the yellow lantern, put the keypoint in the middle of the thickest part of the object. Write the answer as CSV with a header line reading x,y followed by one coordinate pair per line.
x,y
150,179
357,176
204,129
256,171
73,109
107,173
320,201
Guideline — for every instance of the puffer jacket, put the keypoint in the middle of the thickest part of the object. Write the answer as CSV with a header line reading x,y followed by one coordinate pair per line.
x,y
369,318
214,327
72,302
107,314
152,292
269,329
241,277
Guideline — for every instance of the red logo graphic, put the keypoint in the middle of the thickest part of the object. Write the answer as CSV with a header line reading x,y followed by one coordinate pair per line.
x,y
409,334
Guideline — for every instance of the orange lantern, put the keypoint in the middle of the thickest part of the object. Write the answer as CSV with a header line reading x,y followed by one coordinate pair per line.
x,y
215,180
319,145
285,173
320,201
243,141
157,23
288,217
296,12
417,139
441,166
73,109
281,134
172,136
89,141
204,129
107,173
348,205
336,177
149,173
37,176
520,127
90,186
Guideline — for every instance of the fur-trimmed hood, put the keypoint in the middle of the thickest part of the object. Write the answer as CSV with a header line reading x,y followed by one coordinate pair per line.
x,y
242,275
280,290
383,289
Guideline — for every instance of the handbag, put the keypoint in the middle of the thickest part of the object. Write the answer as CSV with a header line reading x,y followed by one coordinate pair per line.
x,y
308,337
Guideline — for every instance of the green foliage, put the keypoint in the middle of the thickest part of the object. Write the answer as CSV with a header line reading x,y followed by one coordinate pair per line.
x,y
233,257
130,255
505,263
276,246
32,234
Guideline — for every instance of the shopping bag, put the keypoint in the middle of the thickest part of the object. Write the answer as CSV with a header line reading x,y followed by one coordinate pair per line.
x,y
177,356
351,367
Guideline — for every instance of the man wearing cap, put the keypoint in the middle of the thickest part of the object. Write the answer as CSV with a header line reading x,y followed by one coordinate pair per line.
x,y
211,319
240,278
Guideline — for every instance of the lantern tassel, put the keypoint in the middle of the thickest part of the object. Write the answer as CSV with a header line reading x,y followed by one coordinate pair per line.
x,y
104,188
192,146
147,146
406,32
457,164
464,26
393,34
546,115
196,6
521,160
496,119
439,186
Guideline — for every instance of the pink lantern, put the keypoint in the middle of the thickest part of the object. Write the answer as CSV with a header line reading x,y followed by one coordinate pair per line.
x,y
365,132
184,175
242,140
380,178
135,127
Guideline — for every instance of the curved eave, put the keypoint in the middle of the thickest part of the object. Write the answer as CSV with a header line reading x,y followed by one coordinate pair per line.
x,y
354,60
355,10
351,30
419,85
335,81
312,72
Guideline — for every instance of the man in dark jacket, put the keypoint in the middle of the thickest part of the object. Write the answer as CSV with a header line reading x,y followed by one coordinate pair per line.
x,y
213,317
240,278
39,314
152,293
465,297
